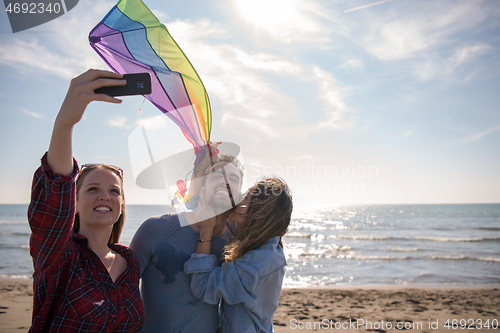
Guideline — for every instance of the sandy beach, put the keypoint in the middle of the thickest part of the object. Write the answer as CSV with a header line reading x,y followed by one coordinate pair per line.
x,y
386,309
343,309
16,304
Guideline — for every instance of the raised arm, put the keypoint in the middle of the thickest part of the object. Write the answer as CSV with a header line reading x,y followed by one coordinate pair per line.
x,y
205,162
206,221
79,95
52,208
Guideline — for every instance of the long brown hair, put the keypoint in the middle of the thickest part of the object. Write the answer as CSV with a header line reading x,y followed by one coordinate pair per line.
x,y
119,224
268,215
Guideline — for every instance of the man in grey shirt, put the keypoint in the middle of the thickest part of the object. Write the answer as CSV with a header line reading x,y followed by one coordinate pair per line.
x,y
163,244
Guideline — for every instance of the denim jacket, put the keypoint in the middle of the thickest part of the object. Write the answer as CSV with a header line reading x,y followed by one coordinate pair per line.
x,y
249,287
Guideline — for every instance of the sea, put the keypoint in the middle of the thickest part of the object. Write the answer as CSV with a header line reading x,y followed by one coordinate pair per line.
x,y
413,245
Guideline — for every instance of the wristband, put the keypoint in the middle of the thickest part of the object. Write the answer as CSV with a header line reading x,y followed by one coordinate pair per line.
x,y
204,240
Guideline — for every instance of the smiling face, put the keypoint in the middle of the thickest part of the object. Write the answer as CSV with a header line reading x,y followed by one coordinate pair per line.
x,y
215,188
99,199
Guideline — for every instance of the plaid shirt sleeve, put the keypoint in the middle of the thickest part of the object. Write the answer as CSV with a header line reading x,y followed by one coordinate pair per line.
x,y
50,214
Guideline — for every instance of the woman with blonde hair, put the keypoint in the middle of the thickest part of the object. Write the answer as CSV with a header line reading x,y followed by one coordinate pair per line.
x,y
83,281
249,281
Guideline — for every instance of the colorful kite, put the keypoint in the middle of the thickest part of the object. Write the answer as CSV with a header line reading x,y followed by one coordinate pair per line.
x,y
131,39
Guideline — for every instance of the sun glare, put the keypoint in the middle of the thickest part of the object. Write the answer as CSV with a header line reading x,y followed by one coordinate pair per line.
x,y
284,19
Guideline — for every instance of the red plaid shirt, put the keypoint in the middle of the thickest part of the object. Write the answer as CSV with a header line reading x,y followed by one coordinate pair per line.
x,y
72,290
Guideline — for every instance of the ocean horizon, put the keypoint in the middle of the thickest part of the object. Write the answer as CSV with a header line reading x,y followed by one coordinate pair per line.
x,y
354,245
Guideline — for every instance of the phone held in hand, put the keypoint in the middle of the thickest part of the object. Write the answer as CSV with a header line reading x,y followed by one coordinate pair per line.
x,y
137,84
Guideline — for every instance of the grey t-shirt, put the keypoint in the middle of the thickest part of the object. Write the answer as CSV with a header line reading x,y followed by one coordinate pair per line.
x,y
162,247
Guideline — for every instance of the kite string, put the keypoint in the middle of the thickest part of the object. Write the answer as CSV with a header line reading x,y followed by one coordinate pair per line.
x,y
138,112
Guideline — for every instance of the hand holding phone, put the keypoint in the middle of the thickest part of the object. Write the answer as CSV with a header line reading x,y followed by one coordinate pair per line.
x,y
137,84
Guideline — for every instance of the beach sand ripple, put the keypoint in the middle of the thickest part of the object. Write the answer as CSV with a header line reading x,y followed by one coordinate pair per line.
x,y
321,310
380,309
16,302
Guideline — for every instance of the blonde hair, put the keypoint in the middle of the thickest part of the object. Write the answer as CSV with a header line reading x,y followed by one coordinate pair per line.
x,y
119,224
268,215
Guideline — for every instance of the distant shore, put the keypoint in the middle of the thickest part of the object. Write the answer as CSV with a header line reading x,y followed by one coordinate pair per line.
x,y
339,309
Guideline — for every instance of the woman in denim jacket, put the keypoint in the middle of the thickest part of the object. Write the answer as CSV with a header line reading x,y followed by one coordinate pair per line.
x,y
249,282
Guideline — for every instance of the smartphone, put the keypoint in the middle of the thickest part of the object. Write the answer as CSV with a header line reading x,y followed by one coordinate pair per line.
x,y
137,84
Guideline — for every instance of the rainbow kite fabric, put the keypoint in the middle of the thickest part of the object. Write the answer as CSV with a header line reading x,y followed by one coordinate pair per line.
x,y
131,39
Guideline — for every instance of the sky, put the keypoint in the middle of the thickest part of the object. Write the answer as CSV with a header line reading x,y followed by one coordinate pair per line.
x,y
349,101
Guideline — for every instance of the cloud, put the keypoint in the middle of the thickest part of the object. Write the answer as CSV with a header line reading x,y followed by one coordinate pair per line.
x,y
207,55
254,127
474,137
433,40
285,21
63,50
151,123
398,40
185,33
366,6
453,67
29,57
424,27
332,95
33,114
117,122
263,117
409,132
239,80
266,62
352,64
160,15
155,123
478,136
251,87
